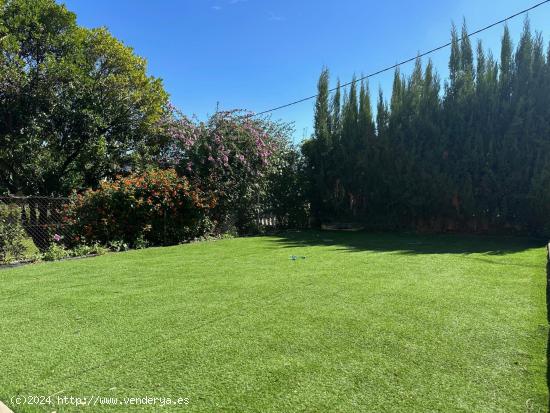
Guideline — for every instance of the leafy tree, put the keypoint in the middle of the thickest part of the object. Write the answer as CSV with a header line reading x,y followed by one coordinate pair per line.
x,y
76,105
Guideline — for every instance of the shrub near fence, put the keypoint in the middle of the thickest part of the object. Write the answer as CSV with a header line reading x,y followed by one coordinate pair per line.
x,y
153,208
157,207
40,217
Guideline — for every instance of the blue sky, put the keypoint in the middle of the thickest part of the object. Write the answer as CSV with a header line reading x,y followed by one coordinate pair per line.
x,y
256,54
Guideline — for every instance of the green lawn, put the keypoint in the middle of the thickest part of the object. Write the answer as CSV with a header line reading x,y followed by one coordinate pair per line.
x,y
367,322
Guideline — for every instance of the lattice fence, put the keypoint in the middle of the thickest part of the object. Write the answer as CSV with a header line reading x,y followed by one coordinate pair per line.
x,y
40,216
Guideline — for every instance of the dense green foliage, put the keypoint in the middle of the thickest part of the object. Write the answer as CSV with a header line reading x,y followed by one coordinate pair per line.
x,y
78,111
155,208
366,323
15,245
285,195
472,156
221,176
76,108
246,163
76,104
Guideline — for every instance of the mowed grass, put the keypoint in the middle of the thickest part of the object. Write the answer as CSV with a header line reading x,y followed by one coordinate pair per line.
x,y
366,322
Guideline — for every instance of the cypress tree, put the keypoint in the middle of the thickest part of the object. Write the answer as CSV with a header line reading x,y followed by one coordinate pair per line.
x,y
505,66
322,114
466,54
466,60
335,114
475,157
455,59
316,150
365,122
382,115
397,91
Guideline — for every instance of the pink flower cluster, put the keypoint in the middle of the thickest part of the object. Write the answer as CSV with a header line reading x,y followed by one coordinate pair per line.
x,y
228,139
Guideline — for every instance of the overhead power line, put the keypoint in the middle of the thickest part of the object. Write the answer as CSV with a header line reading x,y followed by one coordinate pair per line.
x,y
435,49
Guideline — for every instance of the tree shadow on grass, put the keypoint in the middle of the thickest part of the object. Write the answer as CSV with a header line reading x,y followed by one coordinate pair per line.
x,y
408,243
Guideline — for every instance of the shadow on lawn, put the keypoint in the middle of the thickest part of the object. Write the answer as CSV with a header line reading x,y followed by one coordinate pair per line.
x,y
407,243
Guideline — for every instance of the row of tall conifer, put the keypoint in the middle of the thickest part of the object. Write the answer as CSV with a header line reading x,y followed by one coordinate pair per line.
x,y
470,153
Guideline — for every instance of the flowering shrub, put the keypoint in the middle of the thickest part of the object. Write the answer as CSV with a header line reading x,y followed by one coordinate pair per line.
x,y
156,208
230,156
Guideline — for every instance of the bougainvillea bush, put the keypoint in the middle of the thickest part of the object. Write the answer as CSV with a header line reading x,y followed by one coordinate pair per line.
x,y
218,176
156,207
232,157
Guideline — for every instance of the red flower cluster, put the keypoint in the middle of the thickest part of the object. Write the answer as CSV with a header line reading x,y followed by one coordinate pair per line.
x,y
157,207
